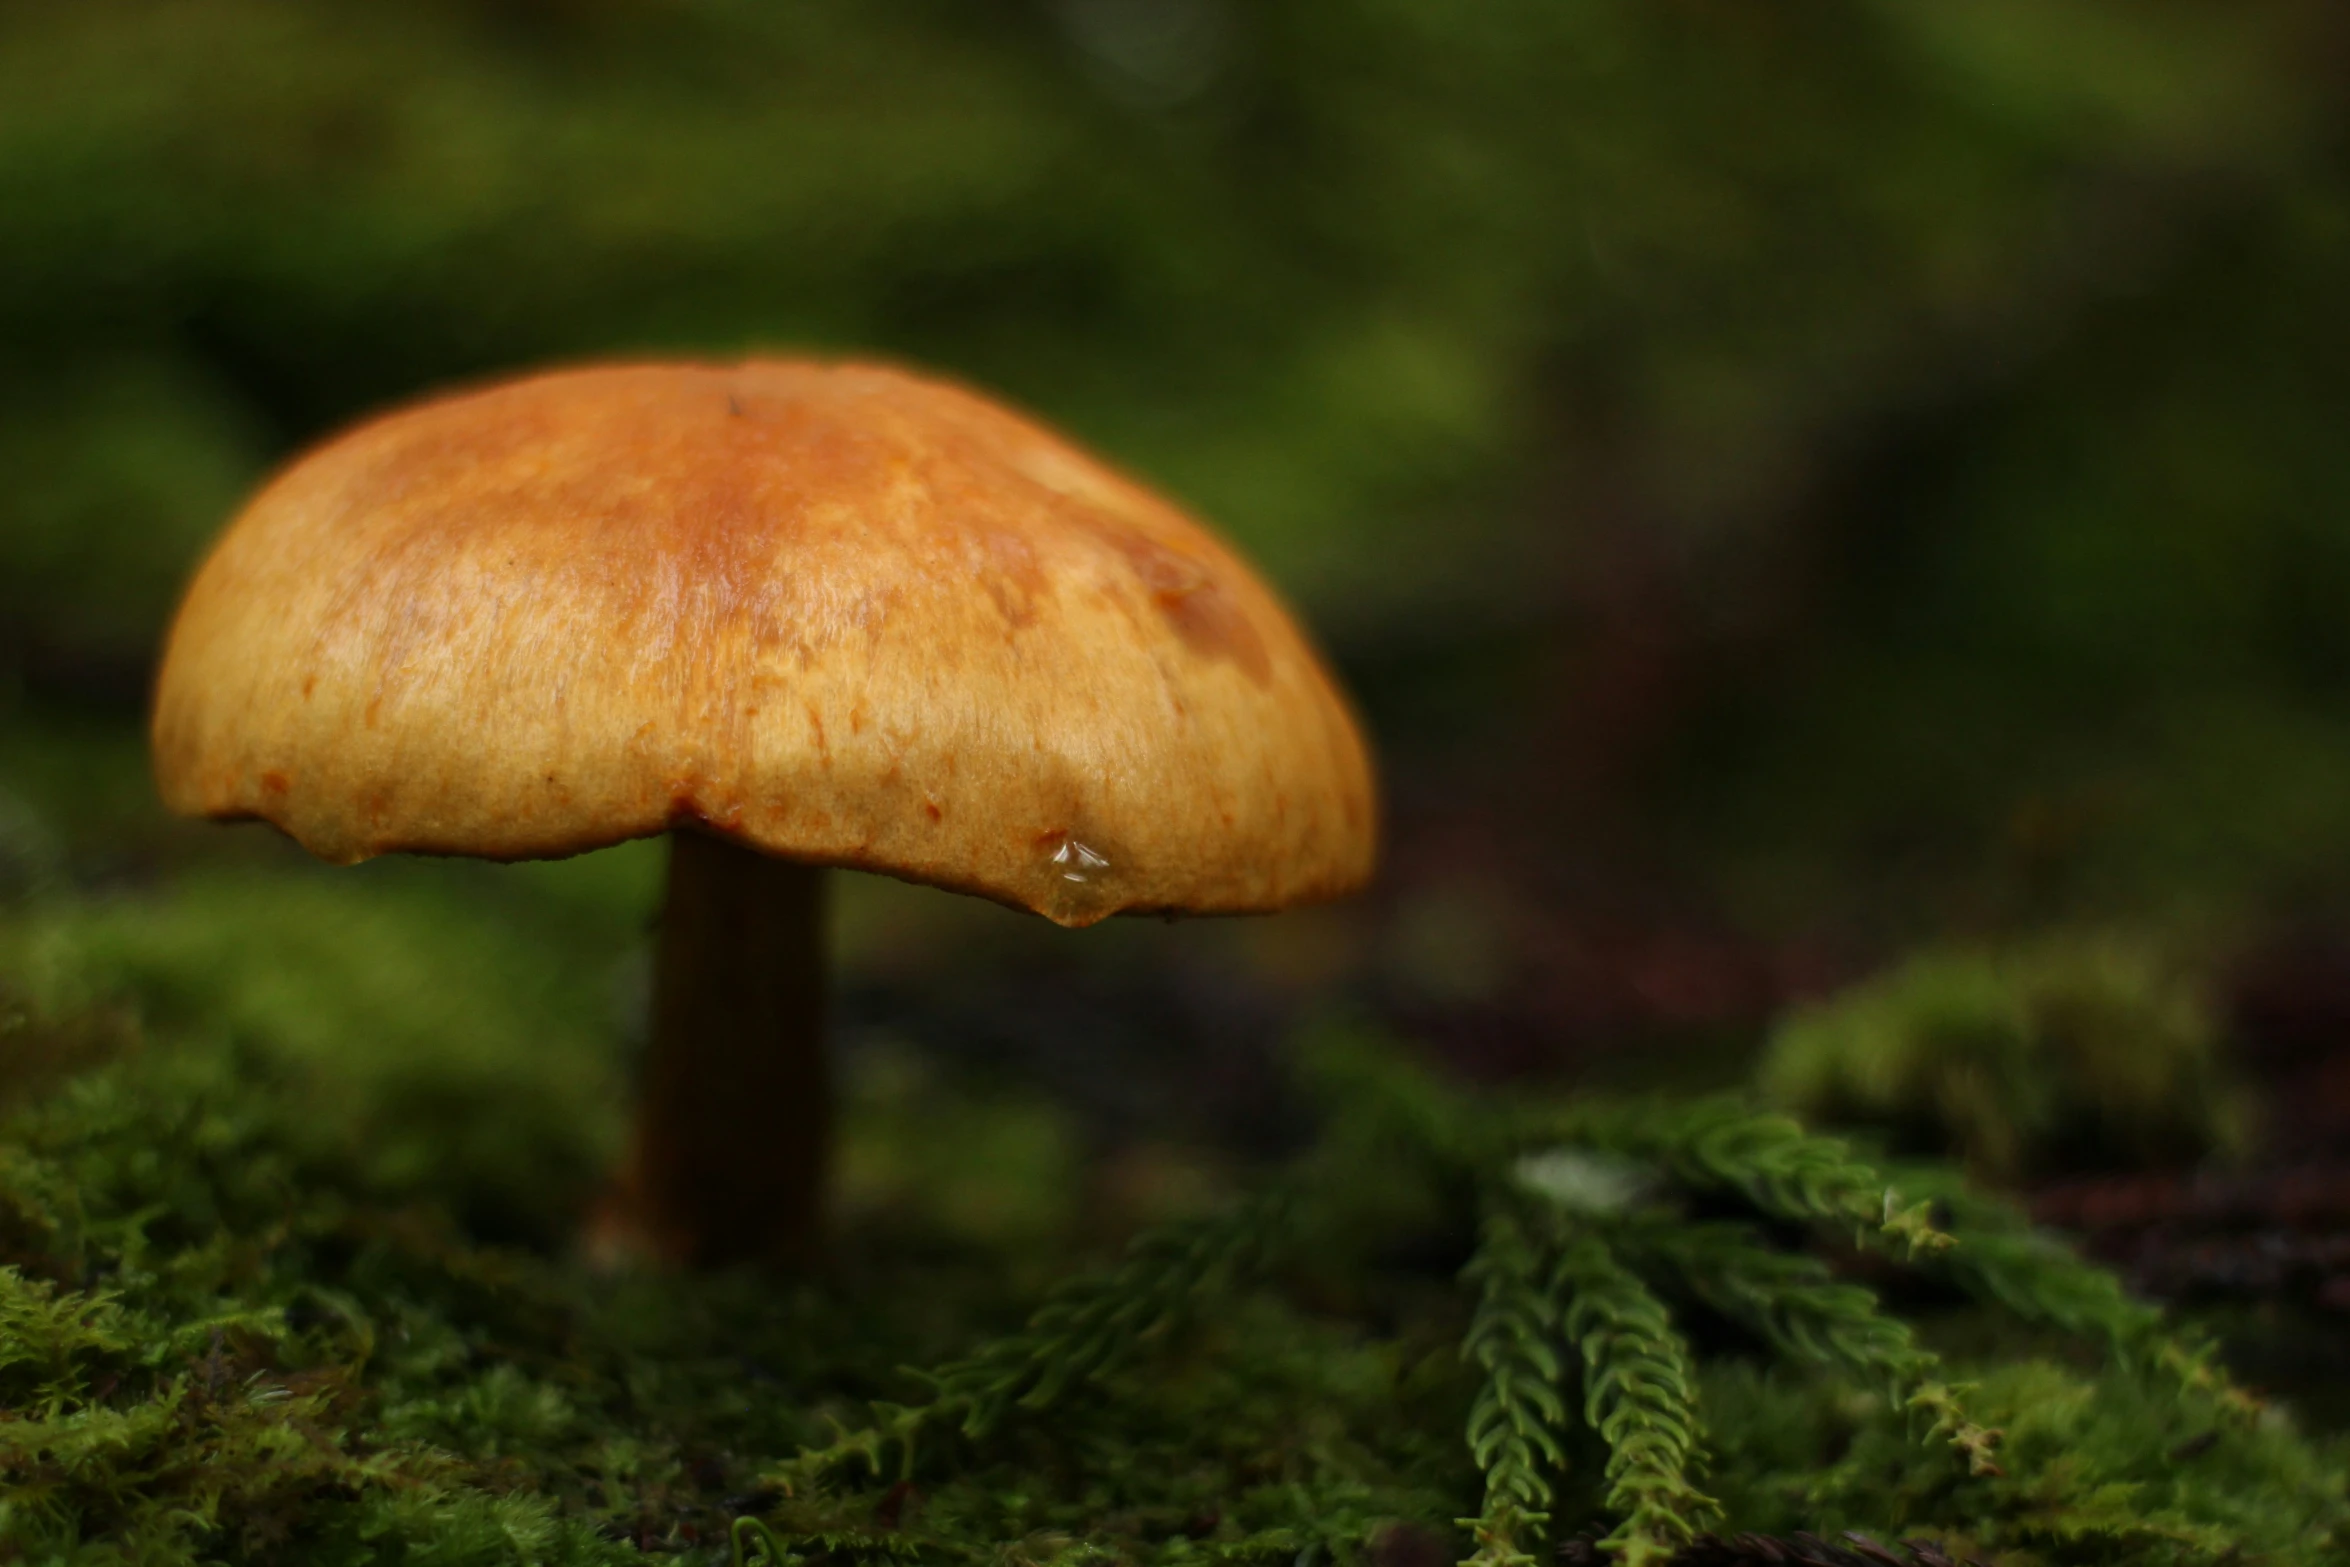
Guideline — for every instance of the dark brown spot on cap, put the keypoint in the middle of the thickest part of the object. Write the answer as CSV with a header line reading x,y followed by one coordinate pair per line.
x,y
1188,596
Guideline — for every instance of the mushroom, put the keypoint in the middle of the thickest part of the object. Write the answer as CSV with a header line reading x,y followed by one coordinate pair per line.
x,y
795,615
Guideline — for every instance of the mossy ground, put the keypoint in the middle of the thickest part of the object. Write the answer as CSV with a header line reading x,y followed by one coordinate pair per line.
x,y
286,1279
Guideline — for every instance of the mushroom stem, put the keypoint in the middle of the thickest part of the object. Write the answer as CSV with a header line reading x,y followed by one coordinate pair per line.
x,y
734,1127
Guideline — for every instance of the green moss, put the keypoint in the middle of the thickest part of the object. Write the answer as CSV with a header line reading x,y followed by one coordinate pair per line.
x,y
2071,1049
2095,1468
486,1074
234,1327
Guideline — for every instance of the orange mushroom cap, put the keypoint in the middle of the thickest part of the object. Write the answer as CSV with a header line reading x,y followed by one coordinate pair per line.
x,y
842,614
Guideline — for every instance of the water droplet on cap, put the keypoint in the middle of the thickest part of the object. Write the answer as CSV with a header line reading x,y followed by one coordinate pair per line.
x,y
1080,881
1079,864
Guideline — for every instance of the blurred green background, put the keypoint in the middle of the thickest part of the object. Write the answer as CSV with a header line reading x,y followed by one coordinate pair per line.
x,y
1785,483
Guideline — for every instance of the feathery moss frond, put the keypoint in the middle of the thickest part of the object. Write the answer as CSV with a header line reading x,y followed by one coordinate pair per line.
x,y
1640,1394
1554,1287
2004,1258
1083,1329
1769,1160
1803,1311
1518,1417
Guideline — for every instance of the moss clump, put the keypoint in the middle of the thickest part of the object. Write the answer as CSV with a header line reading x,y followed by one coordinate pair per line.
x,y
220,1342
433,1049
232,1331
2074,1051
